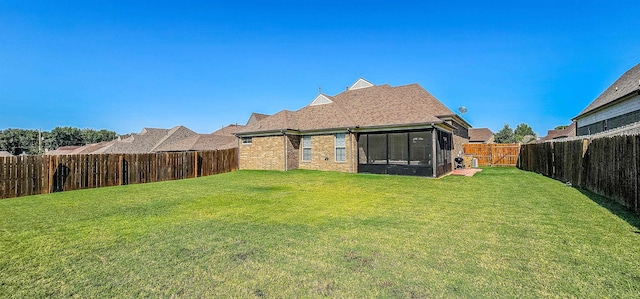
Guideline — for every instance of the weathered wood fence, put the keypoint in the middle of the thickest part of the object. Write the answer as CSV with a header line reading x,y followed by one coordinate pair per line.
x,y
31,175
493,154
605,166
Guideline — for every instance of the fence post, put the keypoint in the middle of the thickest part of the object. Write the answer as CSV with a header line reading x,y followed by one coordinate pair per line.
x,y
636,139
195,164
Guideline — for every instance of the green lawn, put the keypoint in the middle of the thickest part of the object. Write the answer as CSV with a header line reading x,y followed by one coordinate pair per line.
x,y
501,233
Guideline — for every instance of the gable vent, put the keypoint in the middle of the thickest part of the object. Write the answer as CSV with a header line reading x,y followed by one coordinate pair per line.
x,y
361,83
320,100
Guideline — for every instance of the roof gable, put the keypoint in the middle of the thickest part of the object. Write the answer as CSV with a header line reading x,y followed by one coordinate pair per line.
x,y
361,83
255,118
321,99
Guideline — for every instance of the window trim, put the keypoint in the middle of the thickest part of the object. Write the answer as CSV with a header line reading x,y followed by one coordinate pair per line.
x,y
307,137
336,147
244,140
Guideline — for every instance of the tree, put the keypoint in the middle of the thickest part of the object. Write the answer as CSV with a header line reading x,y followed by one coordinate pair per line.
x,y
19,141
523,130
560,127
93,136
505,135
64,136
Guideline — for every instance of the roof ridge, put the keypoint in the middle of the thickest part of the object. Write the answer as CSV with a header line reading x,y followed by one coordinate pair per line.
x,y
168,135
624,82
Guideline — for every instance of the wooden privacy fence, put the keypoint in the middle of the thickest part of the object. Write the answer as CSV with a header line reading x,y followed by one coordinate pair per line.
x,y
493,154
605,166
31,175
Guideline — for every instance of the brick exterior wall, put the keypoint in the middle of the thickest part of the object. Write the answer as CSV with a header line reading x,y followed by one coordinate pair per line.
x,y
457,146
264,153
323,154
293,152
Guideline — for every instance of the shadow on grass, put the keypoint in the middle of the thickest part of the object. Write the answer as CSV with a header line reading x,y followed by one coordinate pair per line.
x,y
617,209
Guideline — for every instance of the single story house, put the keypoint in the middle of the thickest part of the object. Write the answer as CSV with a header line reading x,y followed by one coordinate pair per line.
x,y
481,135
151,140
366,129
618,105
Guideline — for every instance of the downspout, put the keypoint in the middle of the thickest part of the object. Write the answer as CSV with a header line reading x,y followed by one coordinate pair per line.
x,y
350,152
284,141
434,147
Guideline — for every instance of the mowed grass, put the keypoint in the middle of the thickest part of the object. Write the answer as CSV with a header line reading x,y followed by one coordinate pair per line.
x,y
501,233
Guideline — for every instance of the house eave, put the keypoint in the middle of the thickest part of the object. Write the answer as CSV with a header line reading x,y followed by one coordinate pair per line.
x,y
607,105
457,118
356,129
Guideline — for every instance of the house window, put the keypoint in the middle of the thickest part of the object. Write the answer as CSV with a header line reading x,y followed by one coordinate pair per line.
x,y
341,148
246,140
306,148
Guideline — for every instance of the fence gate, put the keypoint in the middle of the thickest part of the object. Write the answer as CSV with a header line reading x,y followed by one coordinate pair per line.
x,y
494,154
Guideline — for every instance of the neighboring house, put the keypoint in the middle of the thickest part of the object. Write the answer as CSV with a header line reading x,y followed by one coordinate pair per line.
x,y
481,135
177,139
617,106
94,148
65,150
366,129
569,131
5,154
218,140
149,140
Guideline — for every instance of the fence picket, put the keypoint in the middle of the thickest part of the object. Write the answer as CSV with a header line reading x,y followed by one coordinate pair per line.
x,y
30,175
605,166
493,154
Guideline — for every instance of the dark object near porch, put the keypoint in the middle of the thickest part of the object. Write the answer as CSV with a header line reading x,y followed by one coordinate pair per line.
x,y
459,163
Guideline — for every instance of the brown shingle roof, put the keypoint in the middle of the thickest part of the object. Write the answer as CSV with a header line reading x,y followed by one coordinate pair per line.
x,y
148,140
480,135
201,142
373,106
282,120
256,117
569,131
229,130
626,84
65,150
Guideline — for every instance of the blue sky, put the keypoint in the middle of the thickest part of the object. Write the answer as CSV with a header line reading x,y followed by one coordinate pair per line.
x,y
125,65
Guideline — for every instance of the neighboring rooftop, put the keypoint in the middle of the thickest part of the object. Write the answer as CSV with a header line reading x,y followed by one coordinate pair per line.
x,y
148,140
569,131
201,142
5,154
229,130
483,135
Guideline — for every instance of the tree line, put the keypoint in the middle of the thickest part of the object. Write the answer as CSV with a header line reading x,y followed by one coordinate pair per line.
x,y
34,142
522,134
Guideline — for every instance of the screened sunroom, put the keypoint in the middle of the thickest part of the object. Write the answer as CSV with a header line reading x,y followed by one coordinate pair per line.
x,y
424,152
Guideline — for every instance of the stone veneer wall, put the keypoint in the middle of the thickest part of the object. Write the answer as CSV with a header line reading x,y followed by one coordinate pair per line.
x,y
323,155
264,153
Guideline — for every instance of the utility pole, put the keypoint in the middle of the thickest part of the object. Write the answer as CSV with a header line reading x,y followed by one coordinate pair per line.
x,y
39,142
